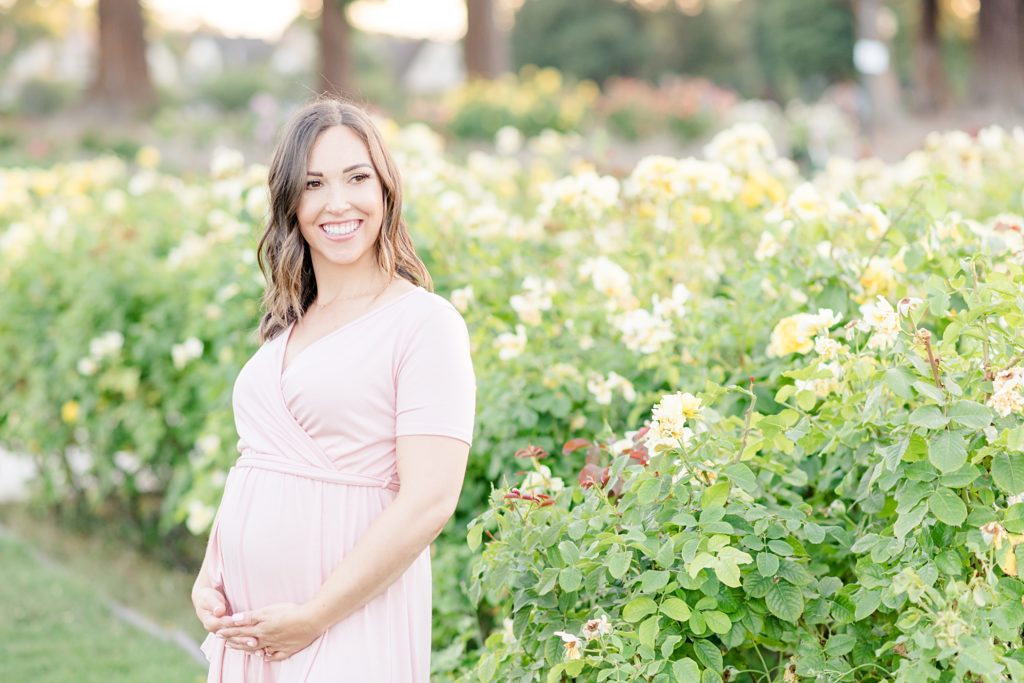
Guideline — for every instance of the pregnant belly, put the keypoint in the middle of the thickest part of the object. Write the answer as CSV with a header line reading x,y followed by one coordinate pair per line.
x,y
282,535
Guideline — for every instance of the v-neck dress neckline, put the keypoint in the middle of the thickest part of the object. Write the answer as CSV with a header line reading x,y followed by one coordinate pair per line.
x,y
287,334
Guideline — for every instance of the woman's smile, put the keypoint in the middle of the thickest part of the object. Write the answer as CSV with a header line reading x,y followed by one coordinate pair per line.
x,y
339,231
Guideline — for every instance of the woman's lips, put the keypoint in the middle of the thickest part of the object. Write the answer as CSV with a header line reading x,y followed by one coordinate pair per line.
x,y
351,228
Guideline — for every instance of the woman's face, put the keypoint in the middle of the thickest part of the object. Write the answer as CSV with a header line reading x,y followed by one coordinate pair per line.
x,y
341,208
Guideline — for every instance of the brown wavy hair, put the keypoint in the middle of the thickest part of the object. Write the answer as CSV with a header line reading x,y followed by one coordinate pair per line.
x,y
283,253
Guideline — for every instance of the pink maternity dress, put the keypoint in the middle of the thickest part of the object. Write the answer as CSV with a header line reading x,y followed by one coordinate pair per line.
x,y
317,465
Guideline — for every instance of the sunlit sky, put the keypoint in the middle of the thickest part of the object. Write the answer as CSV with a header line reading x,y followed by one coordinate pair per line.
x,y
437,19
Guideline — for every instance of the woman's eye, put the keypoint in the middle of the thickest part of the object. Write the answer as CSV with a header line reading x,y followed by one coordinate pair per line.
x,y
312,184
360,177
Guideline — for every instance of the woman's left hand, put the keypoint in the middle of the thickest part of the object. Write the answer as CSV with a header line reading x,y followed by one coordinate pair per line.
x,y
280,630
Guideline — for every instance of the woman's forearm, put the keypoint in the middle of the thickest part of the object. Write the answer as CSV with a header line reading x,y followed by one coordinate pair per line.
x,y
389,546
203,579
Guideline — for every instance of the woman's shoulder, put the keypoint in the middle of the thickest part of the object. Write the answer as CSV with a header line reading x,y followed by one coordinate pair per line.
x,y
428,305
428,315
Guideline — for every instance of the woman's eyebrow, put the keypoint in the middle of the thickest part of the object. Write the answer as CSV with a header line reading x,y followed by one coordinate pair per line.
x,y
350,168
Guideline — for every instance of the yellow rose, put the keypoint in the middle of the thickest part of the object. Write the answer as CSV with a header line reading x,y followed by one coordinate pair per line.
x,y
700,215
69,412
147,157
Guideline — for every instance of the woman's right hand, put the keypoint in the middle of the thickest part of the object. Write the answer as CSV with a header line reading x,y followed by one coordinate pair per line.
x,y
212,609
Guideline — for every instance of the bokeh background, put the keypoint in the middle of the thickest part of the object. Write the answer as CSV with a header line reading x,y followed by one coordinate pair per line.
x,y
565,160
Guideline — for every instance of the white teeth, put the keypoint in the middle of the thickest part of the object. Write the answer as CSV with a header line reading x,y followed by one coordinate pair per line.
x,y
338,229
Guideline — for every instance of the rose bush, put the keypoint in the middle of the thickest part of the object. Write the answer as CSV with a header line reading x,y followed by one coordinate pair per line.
x,y
852,338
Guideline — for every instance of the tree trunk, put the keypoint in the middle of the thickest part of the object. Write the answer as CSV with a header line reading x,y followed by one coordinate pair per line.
x,y
121,84
998,81
931,92
484,45
880,91
335,53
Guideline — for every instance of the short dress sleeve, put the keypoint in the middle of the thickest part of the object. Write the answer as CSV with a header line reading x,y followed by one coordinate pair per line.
x,y
435,386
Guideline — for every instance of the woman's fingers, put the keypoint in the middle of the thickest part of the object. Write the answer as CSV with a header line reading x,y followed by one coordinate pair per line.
x,y
277,656
213,623
244,644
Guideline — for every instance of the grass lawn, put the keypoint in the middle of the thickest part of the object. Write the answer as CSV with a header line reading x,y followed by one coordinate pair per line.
x,y
55,627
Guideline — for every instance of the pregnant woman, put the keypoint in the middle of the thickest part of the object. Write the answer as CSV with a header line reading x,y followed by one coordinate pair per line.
x,y
354,417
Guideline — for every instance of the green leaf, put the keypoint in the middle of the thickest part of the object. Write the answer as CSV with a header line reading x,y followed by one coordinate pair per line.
x,y
755,585
570,579
785,601
976,656
781,548
686,671
970,414
929,417
555,673
1015,439
931,391
728,572
899,380
676,609
709,676
938,303
795,573
742,476
569,552
648,491
648,631
806,399
905,523
866,602
668,645
814,533
947,507
784,392
575,667
697,623
708,654
840,644
715,496
701,561
962,477
652,581
638,608
474,536
718,622
892,453
947,451
547,581
1008,472
767,564
618,564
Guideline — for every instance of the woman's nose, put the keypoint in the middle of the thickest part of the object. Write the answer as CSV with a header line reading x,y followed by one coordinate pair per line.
x,y
337,202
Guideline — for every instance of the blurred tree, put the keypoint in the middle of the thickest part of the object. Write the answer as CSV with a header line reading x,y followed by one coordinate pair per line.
x,y
800,52
593,39
715,42
930,89
121,85
998,80
484,49
336,74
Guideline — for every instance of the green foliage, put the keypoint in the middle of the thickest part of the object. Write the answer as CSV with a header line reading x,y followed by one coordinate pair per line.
x,y
231,91
817,536
42,97
800,56
588,39
781,49
536,100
